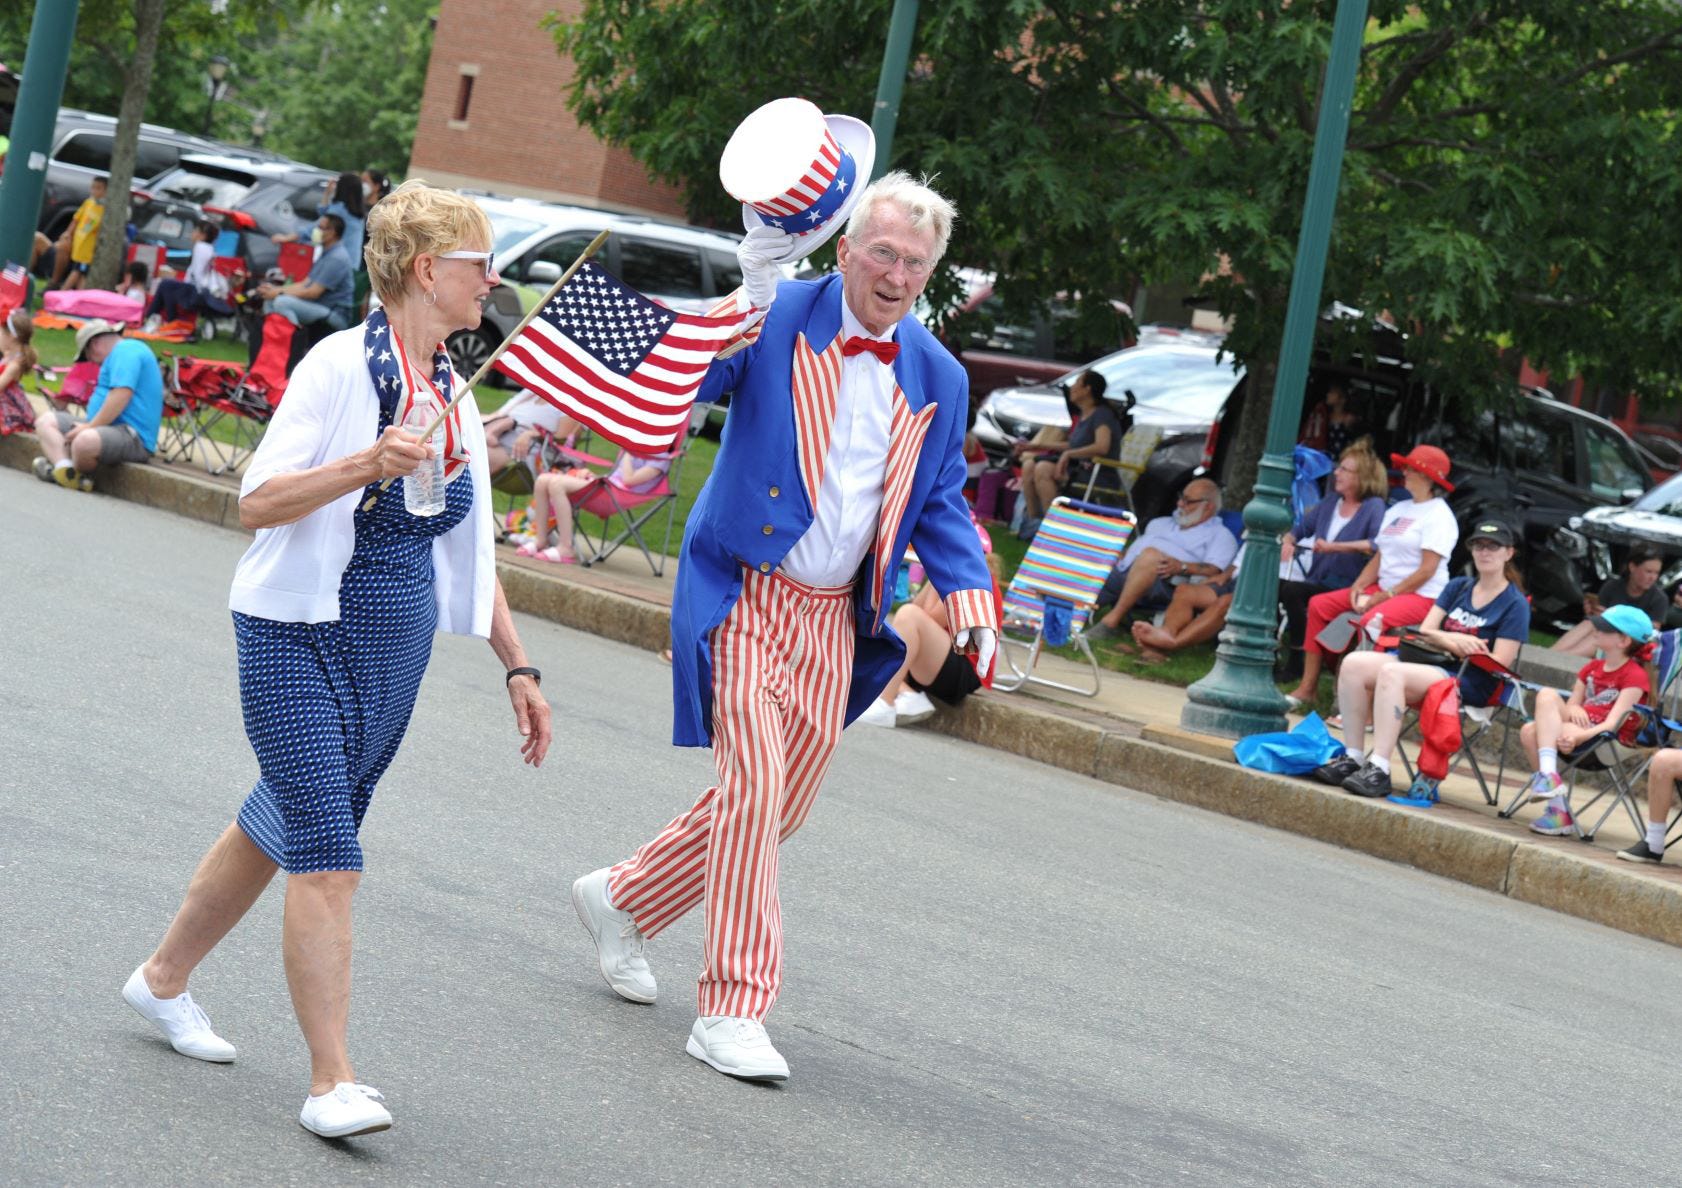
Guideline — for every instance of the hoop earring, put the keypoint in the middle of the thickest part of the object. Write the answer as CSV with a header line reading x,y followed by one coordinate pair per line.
x,y
431,298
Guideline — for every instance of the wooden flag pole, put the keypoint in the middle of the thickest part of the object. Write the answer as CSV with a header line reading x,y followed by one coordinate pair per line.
x,y
591,249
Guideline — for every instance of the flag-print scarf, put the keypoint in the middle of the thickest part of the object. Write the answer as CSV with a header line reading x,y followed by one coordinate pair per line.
x,y
388,367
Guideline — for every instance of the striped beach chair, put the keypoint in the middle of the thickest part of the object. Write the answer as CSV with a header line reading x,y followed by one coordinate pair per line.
x,y
1073,552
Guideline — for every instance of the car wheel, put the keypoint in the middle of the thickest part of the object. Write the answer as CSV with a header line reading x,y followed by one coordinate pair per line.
x,y
468,351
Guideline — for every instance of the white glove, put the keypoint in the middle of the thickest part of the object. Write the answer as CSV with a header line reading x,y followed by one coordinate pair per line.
x,y
758,254
986,642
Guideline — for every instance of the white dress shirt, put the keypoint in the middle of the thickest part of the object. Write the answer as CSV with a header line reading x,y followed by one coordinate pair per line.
x,y
849,504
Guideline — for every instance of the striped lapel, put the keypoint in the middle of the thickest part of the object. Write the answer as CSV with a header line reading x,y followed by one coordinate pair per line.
x,y
815,384
905,443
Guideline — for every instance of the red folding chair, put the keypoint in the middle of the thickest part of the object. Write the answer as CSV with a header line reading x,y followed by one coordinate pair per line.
x,y
295,260
630,511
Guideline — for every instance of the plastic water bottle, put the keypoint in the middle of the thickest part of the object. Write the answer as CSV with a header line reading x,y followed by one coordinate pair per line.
x,y
423,491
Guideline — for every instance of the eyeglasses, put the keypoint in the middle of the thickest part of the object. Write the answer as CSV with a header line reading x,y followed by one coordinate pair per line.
x,y
485,256
887,258
1184,502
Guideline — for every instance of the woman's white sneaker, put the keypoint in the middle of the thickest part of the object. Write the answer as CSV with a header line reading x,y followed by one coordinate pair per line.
x,y
913,706
349,1110
737,1048
183,1021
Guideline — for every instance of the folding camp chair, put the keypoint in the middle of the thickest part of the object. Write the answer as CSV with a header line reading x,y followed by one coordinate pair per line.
x,y
1137,447
1507,706
1623,760
295,260
1077,545
624,513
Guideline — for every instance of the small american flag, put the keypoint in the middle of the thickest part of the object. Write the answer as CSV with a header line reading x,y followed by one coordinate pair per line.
x,y
14,287
627,368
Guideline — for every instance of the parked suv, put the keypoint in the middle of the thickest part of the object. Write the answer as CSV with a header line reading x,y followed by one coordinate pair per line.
x,y
687,268
1594,546
82,151
257,198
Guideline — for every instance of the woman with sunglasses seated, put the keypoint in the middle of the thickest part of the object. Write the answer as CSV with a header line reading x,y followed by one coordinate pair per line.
x,y
1485,615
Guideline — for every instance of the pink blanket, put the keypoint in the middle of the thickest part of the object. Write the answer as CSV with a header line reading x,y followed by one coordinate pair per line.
x,y
93,303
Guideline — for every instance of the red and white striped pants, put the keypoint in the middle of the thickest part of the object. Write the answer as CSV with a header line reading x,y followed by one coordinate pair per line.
x,y
782,664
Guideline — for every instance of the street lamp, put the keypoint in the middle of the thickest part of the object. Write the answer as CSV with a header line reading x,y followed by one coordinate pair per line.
x,y
259,125
216,85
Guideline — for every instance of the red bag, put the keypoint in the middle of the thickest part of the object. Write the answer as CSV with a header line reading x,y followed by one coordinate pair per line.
x,y
1439,727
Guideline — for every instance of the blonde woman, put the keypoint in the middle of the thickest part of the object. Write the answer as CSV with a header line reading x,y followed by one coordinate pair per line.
x,y
334,608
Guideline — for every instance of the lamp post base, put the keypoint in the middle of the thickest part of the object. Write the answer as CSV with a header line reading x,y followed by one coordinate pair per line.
x,y
1235,700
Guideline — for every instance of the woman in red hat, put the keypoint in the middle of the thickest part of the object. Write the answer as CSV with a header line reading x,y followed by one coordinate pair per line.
x,y
1408,568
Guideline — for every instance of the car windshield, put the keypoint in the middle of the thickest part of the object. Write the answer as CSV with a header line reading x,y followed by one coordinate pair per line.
x,y
1192,384
203,188
509,231
1664,499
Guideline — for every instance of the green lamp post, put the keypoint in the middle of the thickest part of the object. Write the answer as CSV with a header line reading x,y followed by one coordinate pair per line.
x,y
1238,696
45,64
891,83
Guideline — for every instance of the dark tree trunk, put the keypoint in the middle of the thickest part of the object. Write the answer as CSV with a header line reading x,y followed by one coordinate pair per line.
x,y
1249,436
137,81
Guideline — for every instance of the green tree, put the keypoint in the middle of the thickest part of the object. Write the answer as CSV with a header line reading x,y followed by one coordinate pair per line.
x,y
1511,181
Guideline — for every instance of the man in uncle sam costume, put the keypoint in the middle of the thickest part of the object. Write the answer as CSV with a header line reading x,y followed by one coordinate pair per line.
x,y
844,445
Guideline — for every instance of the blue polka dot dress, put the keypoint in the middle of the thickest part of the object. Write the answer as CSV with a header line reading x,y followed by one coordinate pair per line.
x,y
326,704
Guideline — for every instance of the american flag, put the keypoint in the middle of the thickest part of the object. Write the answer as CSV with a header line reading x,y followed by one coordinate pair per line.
x,y
627,368
14,287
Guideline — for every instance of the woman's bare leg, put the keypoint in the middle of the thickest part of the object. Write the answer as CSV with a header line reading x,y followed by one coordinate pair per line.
x,y
316,944
229,879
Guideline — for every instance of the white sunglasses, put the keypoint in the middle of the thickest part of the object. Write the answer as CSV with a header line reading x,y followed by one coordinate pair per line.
x,y
485,256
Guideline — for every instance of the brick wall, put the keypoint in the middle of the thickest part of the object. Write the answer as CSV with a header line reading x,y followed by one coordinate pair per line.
x,y
518,137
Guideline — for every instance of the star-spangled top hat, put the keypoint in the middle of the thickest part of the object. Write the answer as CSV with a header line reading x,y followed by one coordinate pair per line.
x,y
791,166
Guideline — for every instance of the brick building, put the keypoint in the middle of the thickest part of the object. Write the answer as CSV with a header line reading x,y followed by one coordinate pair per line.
x,y
493,115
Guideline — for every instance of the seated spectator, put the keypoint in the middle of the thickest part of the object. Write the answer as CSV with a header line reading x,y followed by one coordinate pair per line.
x,y
1191,543
326,294
201,290
552,498
135,278
1332,426
1637,586
1097,433
1662,775
1408,571
514,431
84,234
1601,699
1485,614
17,355
124,411
930,667
1327,547
1196,614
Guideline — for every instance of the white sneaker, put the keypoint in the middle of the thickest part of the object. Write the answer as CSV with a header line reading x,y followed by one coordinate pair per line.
x,y
183,1021
348,1110
878,713
618,939
152,324
737,1048
913,706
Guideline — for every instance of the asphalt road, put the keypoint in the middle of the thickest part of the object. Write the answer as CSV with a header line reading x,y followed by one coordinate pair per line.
x,y
997,973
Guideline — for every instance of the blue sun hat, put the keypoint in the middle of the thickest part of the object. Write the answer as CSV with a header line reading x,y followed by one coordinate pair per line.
x,y
1631,621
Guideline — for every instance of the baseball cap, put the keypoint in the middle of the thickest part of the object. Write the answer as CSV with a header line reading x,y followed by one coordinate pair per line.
x,y
1631,621
90,330
1491,530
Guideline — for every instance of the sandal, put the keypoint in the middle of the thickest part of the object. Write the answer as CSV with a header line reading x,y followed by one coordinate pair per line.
x,y
554,556
529,549
1294,704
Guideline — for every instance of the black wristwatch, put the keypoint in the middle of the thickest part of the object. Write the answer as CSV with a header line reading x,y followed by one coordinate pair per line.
x,y
533,673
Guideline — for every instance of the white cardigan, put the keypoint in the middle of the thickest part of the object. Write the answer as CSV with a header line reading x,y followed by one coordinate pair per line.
x,y
291,573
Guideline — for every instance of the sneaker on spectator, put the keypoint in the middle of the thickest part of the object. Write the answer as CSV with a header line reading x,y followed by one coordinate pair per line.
x,y
152,324
43,469
1543,786
71,479
1338,770
1370,782
1554,823
913,706
878,713
1641,852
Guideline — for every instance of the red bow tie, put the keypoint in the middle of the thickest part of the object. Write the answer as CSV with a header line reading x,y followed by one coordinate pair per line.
x,y
885,351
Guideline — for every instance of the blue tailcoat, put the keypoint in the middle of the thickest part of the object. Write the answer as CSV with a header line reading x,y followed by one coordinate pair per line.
x,y
759,499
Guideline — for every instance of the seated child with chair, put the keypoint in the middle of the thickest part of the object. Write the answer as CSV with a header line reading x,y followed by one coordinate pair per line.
x,y
1605,692
552,498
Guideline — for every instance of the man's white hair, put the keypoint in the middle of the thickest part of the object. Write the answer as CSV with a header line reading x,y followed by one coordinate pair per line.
x,y
922,206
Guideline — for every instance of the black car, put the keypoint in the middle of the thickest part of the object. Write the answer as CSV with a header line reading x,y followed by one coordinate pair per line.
x,y
82,151
1594,546
256,198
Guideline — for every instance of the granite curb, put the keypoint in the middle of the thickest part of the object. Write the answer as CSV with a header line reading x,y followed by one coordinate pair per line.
x,y
1163,761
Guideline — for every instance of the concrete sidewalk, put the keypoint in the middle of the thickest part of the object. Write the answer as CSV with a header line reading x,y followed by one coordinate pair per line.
x,y
1128,734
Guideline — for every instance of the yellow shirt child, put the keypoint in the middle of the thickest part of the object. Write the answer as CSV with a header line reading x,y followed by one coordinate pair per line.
x,y
85,230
